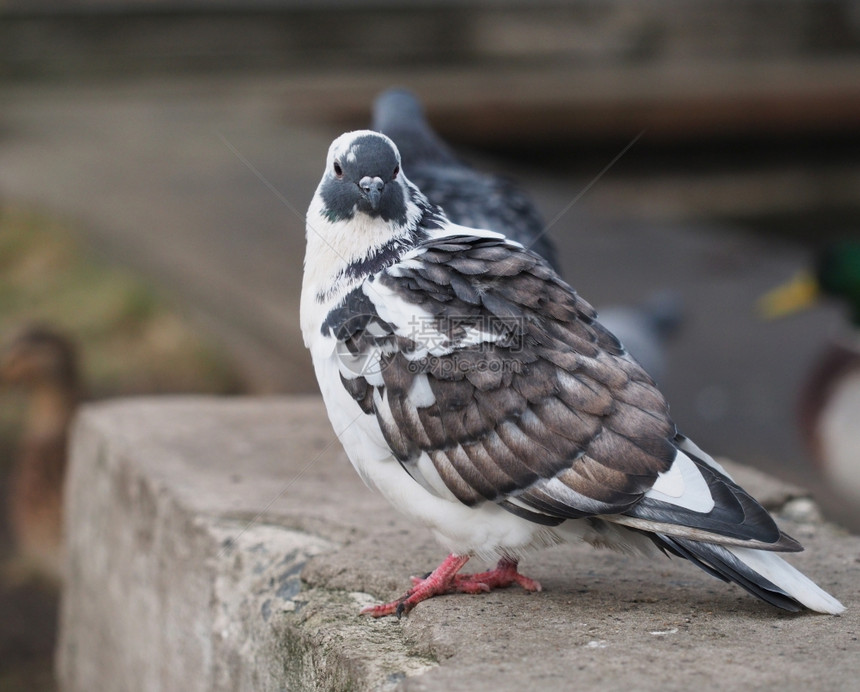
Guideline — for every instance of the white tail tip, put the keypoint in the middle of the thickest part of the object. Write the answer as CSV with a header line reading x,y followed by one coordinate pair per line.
x,y
797,585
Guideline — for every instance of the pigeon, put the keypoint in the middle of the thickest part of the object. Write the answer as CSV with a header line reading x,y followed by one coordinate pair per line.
x,y
479,394
469,197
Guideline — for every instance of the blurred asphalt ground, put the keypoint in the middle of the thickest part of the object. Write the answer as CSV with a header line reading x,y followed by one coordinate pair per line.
x,y
201,185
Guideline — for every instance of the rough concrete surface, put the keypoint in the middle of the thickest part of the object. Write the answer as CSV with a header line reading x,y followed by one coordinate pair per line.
x,y
227,544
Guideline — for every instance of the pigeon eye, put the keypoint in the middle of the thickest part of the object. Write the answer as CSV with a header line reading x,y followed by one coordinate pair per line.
x,y
338,171
396,172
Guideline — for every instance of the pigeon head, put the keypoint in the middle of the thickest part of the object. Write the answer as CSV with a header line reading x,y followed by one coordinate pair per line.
x,y
363,176
363,217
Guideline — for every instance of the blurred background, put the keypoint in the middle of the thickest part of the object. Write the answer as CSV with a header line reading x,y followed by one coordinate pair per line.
x,y
157,158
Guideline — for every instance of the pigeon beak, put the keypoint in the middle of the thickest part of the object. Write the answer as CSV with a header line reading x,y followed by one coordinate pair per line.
x,y
371,188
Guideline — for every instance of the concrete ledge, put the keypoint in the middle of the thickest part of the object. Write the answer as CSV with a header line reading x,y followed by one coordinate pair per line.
x,y
227,545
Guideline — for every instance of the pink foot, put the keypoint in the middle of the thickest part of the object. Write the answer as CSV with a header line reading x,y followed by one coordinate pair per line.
x,y
444,579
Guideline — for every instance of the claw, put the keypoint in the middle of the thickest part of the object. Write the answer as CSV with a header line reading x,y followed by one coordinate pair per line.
x,y
378,611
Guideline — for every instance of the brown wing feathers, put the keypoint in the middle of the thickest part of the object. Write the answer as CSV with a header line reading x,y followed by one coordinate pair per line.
x,y
548,395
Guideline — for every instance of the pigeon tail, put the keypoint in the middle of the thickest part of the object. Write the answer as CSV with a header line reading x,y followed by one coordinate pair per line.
x,y
762,573
799,587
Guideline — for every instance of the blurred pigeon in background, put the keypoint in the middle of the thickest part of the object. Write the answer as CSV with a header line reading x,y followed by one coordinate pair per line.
x,y
469,197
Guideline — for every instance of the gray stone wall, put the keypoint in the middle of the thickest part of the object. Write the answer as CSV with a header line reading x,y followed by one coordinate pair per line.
x,y
226,544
